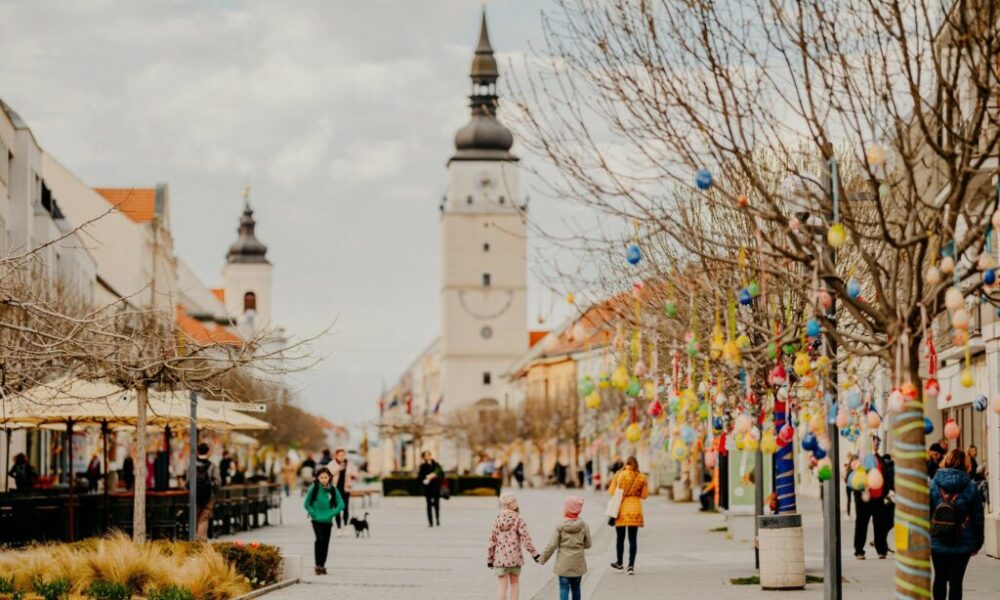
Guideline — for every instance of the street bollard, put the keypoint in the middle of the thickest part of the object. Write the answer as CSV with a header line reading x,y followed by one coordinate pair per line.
x,y
782,552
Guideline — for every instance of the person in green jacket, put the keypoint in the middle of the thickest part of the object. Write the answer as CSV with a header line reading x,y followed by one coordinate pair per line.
x,y
323,503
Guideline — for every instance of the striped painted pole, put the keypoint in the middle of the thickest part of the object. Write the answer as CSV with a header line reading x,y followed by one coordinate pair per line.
x,y
784,465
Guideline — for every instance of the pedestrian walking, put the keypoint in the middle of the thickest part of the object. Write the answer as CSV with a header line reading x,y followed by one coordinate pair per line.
x,y
518,474
93,473
934,456
872,505
630,518
325,460
207,482
509,539
956,524
128,473
344,474
431,476
225,467
323,503
289,476
568,542
307,472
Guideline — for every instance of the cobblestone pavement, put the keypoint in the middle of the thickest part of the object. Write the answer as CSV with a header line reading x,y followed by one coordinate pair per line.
x,y
679,556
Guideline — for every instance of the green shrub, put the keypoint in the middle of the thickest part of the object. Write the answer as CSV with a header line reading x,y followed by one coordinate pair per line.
x,y
480,491
7,585
108,590
56,589
398,493
170,592
459,485
260,563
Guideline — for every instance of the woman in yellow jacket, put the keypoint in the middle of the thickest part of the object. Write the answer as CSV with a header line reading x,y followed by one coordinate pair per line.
x,y
634,491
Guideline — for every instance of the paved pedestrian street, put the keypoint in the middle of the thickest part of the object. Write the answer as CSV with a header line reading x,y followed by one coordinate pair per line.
x,y
679,555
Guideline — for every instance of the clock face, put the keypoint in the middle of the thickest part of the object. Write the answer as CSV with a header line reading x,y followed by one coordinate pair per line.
x,y
486,332
485,180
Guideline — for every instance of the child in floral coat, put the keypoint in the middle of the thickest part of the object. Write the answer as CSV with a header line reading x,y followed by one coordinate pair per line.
x,y
508,538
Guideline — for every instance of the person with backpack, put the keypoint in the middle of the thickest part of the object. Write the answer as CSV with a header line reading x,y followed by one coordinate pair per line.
x,y
956,524
207,482
569,542
323,503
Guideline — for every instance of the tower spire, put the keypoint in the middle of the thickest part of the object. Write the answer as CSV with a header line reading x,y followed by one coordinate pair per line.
x,y
484,64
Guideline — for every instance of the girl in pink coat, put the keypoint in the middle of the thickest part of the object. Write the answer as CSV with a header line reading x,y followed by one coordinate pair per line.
x,y
507,539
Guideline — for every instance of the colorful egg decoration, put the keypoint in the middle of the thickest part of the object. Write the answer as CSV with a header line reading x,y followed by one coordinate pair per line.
x,y
854,398
703,179
745,297
933,276
995,405
743,423
965,378
960,319
640,369
980,402
619,378
633,433
953,299
809,442
678,449
670,309
786,434
990,276
825,299
951,430
931,388
836,236
824,470
754,288
859,479
928,426
813,328
853,288
586,385
801,365
875,480
947,265
634,388
874,419
604,381
592,401
655,409
633,255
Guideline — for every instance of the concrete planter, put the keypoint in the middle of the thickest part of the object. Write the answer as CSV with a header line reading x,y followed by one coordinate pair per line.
x,y
782,552
681,491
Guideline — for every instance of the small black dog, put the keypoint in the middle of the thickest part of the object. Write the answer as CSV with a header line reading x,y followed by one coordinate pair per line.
x,y
361,526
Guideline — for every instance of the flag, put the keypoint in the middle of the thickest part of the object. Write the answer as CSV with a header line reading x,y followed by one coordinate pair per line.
x,y
437,405
409,403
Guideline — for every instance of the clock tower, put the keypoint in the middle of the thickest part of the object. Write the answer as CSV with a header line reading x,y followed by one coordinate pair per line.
x,y
483,252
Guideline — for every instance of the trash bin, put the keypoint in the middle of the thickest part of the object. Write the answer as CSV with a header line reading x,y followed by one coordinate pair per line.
x,y
782,552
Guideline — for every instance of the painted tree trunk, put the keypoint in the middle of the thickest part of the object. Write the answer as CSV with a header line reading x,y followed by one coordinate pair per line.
x,y
912,523
139,500
784,465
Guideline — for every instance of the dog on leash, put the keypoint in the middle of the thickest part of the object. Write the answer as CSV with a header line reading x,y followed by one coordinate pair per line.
x,y
361,526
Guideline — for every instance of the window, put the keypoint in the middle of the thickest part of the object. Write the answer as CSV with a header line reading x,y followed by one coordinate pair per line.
x,y
4,162
249,302
501,200
487,378
468,200
486,247
486,280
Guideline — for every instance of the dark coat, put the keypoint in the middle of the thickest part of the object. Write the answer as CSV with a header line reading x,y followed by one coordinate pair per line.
x,y
954,481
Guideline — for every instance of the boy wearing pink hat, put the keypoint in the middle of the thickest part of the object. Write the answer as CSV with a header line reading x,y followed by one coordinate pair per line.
x,y
569,541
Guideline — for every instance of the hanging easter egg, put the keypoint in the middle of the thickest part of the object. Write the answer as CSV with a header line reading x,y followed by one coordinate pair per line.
x,y
990,276
754,288
853,288
960,319
824,470
772,350
985,262
813,328
750,443
933,276
768,443
592,400
876,155
816,424
711,459
931,388
586,386
640,369
869,462
959,337
854,398
570,298
633,433
788,349
947,265
731,352
980,402
633,255
717,424
995,405
896,402
928,426
874,419
836,236
604,381
689,400
703,411
801,365
809,442
720,399
842,418
620,378
703,179
778,376
965,378
954,299
649,390
745,298
875,481
692,347
743,341
634,388
670,308
825,299
742,201
688,434
951,430
823,364
859,479
678,449
675,404
743,423
786,434
716,345
655,409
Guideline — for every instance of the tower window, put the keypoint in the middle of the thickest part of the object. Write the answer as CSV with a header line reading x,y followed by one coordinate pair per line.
x,y
468,200
487,378
249,301
486,280
501,199
486,246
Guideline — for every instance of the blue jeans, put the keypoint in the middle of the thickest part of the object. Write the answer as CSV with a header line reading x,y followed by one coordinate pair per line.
x,y
567,585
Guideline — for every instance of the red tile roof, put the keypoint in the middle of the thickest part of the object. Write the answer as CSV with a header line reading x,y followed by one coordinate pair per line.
x,y
219,293
198,333
536,336
138,204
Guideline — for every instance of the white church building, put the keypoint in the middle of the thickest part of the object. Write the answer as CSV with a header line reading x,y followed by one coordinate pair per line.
x,y
483,286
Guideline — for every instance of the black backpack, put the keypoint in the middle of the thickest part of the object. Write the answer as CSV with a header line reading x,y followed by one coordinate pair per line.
x,y
948,519
204,486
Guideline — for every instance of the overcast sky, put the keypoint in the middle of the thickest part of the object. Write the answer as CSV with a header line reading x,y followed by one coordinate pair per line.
x,y
340,114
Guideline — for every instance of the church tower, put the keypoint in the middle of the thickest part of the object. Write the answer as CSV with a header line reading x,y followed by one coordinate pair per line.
x,y
483,251
246,277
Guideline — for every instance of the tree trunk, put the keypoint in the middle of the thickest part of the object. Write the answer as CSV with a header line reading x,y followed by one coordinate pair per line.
x,y
139,501
913,569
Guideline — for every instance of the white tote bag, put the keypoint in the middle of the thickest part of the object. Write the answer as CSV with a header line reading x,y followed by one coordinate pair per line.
x,y
614,506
